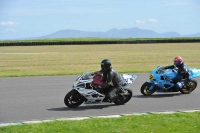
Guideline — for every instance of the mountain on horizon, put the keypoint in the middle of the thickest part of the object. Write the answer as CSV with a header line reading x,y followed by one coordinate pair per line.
x,y
116,33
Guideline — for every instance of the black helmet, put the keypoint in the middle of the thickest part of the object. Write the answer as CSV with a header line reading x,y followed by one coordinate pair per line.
x,y
105,64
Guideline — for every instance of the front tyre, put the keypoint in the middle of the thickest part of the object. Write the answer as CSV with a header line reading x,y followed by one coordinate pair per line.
x,y
145,89
73,99
189,87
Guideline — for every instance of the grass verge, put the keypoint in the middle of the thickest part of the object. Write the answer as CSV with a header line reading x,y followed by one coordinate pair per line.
x,y
154,123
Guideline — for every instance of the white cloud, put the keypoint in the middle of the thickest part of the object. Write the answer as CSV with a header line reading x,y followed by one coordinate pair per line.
x,y
8,23
152,20
139,21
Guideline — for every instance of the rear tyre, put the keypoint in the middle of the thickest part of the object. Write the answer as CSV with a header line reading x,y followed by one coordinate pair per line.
x,y
128,95
124,97
189,87
145,89
73,99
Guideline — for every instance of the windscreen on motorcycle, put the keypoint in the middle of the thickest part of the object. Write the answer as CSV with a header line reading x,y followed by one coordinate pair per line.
x,y
161,70
86,76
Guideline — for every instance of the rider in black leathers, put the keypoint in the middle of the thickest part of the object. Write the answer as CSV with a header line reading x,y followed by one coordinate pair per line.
x,y
182,69
113,82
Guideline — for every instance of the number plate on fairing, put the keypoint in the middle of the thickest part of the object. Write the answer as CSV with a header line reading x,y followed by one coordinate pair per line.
x,y
151,77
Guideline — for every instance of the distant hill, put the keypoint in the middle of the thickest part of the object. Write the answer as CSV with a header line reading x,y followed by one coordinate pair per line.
x,y
116,33
192,35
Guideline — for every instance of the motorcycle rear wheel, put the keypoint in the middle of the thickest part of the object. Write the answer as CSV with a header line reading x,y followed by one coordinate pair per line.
x,y
145,89
120,100
73,99
192,84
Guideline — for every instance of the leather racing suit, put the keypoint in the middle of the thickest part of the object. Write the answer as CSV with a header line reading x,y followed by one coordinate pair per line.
x,y
183,73
112,84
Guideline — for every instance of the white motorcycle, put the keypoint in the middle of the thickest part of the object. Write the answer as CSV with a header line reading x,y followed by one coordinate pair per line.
x,y
83,91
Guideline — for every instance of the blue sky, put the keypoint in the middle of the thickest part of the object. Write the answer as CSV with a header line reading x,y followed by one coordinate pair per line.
x,y
35,18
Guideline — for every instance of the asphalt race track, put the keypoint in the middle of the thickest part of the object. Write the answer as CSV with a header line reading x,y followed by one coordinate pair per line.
x,y
41,98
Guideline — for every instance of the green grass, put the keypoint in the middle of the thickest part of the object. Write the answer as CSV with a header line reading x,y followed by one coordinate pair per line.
x,y
75,59
154,123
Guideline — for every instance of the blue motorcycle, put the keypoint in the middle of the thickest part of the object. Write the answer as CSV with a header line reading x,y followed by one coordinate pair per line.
x,y
160,80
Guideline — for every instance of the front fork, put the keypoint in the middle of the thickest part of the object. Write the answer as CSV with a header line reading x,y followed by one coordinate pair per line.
x,y
152,85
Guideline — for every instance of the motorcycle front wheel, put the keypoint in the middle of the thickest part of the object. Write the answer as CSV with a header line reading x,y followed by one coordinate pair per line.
x,y
145,89
189,87
73,99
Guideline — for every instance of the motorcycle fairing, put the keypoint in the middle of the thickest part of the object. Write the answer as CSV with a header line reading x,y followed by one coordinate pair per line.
x,y
128,78
162,78
92,96
81,83
194,72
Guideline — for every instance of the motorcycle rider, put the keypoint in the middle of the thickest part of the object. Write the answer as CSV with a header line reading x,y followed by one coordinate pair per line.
x,y
113,82
182,69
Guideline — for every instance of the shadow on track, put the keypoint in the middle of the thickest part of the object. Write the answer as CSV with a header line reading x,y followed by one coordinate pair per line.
x,y
158,95
82,108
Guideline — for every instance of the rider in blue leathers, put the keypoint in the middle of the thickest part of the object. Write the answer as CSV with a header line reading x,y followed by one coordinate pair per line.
x,y
182,69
